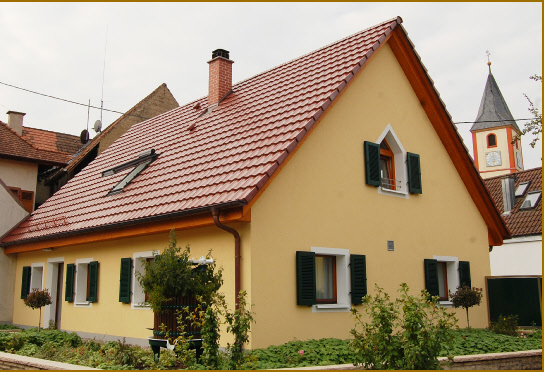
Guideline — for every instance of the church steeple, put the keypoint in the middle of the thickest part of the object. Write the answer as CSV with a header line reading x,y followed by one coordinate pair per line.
x,y
493,132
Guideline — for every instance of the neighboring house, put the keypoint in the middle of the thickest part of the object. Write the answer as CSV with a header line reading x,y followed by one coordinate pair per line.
x,y
519,198
310,183
159,101
24,153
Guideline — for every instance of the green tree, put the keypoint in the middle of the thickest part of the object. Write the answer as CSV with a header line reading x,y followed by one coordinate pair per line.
x,y
534,126
407,333
38,299
466,297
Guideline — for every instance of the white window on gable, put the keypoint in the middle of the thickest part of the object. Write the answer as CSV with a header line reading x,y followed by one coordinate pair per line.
x,y
443,274
390,168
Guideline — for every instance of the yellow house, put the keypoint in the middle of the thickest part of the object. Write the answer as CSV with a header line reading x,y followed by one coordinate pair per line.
x,y
310,182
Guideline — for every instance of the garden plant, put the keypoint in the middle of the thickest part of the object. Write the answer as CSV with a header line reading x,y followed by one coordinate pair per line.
x,y
407,333
36,300
466,297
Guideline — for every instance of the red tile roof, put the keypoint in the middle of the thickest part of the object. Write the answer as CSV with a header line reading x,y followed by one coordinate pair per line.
x,y
16,147
52,141
525,221
219,158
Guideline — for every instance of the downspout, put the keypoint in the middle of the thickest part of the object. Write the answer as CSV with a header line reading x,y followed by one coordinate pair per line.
x,y
237,281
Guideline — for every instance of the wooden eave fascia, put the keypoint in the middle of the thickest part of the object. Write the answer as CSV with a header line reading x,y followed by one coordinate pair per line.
x,y
106,233
437,114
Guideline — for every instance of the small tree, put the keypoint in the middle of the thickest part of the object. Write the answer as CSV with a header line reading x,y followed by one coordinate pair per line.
x,y
533,127
38,299
466,297
407,333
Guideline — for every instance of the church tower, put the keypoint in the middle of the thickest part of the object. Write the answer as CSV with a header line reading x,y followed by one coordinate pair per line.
x,y
493,133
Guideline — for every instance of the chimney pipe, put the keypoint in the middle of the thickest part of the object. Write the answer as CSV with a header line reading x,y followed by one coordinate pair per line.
x,y
508,193
15,121
220,82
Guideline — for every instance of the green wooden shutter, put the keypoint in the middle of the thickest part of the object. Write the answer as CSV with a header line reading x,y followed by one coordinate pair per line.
x,y
414,173
93,281
464,274
372,164
431,276
125,279
306,289
357,266
25,285
69,291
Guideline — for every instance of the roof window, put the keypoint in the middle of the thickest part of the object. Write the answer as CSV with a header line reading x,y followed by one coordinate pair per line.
x,y
138,165
522,188
531,200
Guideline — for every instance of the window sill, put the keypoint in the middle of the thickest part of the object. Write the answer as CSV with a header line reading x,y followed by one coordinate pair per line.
x,y
446,303
82,304
331,308
140,306
400,194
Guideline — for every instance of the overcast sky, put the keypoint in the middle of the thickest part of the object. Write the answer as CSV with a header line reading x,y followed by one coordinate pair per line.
x,y
59,49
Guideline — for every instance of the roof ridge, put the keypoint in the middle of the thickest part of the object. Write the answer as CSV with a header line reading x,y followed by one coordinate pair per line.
x,y
50,131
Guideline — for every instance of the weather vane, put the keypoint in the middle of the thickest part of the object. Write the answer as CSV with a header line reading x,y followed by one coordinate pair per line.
x,y
488,61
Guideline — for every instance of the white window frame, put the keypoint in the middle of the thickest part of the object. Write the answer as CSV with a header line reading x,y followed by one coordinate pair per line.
x,y
452,270
343,276
80,284
401,171
37,275
138,294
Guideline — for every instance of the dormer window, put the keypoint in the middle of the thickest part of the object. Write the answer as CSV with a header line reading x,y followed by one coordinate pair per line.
x,y
139,164
522,188
531,200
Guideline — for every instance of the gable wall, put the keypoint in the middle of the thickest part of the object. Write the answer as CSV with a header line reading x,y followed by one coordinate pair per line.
x,y
20,174
320,199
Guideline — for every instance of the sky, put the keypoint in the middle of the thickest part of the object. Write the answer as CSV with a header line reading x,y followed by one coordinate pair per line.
x,y
119,53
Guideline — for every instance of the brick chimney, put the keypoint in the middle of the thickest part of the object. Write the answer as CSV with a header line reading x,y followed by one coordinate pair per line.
x,y
220,76
15,121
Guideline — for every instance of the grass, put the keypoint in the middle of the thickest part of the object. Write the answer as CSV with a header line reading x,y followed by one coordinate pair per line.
x,y
70,348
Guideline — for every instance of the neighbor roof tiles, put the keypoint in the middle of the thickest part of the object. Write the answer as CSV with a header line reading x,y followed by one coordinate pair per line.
x,y
228,155
520,221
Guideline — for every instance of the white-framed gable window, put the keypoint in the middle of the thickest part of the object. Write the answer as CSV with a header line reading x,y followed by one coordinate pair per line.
x,y
390,168
444,274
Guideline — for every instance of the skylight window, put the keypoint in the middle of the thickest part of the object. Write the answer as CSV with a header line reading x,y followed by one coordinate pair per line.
x,y
531,200
522,188
139,164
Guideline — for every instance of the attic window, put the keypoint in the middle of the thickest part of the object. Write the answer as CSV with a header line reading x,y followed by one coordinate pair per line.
x,y
522,188
531,200
138,165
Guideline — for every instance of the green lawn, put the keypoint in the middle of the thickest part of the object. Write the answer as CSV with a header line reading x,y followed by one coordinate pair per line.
x,y
70,348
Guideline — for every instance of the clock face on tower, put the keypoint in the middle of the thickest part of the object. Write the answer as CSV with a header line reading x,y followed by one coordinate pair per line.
x,y
493,158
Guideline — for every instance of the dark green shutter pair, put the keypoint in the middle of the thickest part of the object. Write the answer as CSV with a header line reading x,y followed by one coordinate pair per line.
x,y
306,286
125,280
431,275
93,282
372,168
25,286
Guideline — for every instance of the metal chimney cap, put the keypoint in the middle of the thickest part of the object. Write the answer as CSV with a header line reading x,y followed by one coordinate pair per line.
x,y
220,53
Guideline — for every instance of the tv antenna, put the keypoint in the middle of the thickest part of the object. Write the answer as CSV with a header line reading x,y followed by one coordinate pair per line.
x,y
96,124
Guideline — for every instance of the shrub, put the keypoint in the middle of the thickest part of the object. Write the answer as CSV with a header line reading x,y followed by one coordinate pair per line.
x,y
407,333
466,297
36,300
505,325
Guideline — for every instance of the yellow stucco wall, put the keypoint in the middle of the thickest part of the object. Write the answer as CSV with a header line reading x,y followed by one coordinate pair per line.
x,y
320,199
19,174
108,316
